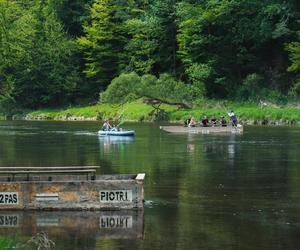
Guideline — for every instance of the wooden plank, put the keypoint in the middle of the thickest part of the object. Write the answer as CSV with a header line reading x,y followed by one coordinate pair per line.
x,y
50,168
47,171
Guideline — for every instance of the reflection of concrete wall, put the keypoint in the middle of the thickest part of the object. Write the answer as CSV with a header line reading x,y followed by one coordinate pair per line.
x,y
123,224
106,192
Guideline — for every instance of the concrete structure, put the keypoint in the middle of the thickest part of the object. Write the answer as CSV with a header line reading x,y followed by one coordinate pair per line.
x,y
105,192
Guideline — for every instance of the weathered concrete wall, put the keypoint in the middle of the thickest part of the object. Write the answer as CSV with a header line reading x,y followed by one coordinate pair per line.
x,y
100,194
122,224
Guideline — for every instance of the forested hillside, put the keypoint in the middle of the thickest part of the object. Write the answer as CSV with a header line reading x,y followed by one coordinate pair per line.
x,y
60,52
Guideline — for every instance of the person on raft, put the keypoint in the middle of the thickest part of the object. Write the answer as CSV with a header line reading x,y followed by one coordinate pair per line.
x,y
205,122
192,122
213,122
233,118
187,121
223,122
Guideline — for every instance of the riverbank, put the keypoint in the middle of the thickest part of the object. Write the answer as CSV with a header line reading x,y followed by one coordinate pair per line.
x,y
249,114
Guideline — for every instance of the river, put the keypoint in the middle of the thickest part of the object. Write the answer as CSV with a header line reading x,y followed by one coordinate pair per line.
x,y
202,191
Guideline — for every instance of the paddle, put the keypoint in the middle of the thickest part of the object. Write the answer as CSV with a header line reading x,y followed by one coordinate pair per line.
x,y
120,123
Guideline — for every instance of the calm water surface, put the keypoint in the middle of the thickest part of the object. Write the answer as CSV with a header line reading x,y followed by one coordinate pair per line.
x,y
201,191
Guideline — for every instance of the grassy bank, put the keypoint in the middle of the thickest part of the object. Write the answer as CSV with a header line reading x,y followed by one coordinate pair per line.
x,y
139,111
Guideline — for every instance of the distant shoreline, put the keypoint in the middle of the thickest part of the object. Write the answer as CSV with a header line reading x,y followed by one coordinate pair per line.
x,y
141,112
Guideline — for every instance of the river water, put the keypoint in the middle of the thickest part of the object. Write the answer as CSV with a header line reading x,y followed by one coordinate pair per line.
x,y
202,191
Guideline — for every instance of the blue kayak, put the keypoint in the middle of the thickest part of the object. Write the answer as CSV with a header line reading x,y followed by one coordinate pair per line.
x,y
117,133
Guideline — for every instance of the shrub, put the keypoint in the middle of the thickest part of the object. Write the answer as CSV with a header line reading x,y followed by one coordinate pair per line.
x,y
198,74
129,87
122,89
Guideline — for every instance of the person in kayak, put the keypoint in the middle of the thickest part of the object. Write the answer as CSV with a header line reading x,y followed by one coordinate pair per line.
x,y
106,125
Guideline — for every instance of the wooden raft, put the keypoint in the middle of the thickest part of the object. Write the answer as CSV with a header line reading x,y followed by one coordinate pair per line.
x,y
203,130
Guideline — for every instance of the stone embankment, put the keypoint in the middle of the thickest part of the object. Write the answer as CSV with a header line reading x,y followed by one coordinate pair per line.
x,y
270,122
264,122
58,118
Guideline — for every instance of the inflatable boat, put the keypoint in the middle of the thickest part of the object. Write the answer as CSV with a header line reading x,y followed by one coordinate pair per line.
x,y
116,132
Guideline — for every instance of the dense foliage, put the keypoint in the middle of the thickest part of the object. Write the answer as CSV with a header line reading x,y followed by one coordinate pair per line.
x,y
165,89
55,53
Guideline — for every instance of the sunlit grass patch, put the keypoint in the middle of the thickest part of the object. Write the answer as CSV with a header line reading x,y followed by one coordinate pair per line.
x,y
140,111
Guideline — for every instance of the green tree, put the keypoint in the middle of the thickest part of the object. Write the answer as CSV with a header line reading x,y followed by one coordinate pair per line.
x,y
234,38
37,68
15,42
104,42
152,45
142,45
54,65
72,14
294,55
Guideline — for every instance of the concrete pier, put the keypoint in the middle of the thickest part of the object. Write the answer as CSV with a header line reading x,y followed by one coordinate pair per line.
x,y
105,192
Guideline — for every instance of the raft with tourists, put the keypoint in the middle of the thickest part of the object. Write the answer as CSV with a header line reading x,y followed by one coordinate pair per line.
x,y
68,188
206,126
204,130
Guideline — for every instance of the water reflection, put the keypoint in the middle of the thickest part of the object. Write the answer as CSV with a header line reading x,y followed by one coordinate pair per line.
x,y
96,224
231,148
105,140
224,147
190,148
111,143
231,151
